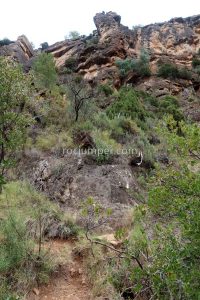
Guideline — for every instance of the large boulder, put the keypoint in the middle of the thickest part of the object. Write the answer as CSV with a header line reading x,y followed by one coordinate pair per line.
x,y
21,50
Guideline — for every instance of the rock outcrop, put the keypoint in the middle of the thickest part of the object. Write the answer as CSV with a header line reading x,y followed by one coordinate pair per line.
x,y
177,40
21,50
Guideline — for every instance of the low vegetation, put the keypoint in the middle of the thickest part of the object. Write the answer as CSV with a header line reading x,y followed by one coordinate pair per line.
x,y
45,71
157,252
138,66
5,42
171,71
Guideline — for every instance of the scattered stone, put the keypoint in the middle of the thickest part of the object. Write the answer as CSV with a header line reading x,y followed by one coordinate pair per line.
x,y
36,291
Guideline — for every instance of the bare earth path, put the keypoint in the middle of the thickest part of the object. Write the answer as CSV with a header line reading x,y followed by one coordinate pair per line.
x,y
69,282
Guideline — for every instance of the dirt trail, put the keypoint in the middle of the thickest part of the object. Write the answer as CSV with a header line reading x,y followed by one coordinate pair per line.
x,y
69,282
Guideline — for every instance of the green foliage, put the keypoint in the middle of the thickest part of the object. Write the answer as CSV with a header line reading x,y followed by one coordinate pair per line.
x,y
72,35
25,200
106,89
170,105
5,42
92,41
20,265
140,66
175,198
195,62
71,63
169,268
173,72
45,71
26,219
184,73
168,71
44,45
128,104
106,147
14,92
49,140
197,70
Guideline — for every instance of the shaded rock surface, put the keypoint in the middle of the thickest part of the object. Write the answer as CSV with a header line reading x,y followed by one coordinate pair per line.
x,y
177,41
21,50
71,179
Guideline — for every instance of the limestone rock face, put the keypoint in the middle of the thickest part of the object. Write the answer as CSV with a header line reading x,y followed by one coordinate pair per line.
x,y
96,54
176,41
21,50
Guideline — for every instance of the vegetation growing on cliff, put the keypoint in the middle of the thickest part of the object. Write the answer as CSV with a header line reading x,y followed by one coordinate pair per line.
x,y
157,251
14,120
139,66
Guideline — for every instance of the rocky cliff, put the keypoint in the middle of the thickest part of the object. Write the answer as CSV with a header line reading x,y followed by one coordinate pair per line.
x,y
177,40
94,56
21,50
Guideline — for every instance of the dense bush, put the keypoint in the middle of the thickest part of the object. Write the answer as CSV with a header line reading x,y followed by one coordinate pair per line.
x,y
44,45
106,147
106,89
195,62
23,261
175,198
139,66
14,95
160,260
72,35
128,104
170,105
5,42
71,63
173,72
45,71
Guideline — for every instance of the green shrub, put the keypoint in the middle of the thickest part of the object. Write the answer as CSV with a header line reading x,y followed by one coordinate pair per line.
x,y
5,42
21,266
124,66
168,71
71,63
50,140
197,70
45,71
184,73
72,35
141,143
92,41
129,104
106,89
195,62
14,120
105,146
44,45
170,105
140,66
173,72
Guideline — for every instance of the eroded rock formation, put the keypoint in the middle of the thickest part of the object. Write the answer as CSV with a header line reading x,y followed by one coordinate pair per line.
x,y
177,40
21,50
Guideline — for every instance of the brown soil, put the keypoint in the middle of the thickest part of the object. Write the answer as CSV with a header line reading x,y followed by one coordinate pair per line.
x,y
69,282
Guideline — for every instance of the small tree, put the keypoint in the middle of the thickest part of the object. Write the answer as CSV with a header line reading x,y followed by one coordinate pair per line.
x,y
79,94
44,45
14,90
5,42
45,71
72,35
